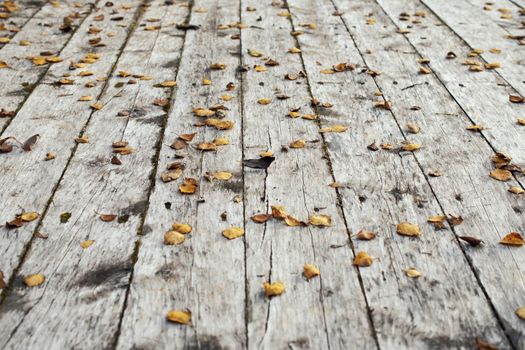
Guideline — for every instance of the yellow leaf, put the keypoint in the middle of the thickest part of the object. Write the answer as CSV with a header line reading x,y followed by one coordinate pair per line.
x,y
85,98
173,238
34,280
258,68
291,221
310,271
408,229
179,316
168,83
97,106
298,144
3,64
206,81
413,273
320,220
233,232
273,289
226,97
362,259
203,112
334,128
254,53
411,147
294,50
4,40
222,175
29,216
513,239
501,174
189,186
221,141
266,154
521,312
516,190
87,244
264,101
181,228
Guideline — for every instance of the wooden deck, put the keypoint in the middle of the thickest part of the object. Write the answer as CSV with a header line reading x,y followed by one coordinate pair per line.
x,y
282,134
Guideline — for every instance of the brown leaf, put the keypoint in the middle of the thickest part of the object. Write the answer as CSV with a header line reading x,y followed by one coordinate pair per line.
x,y
513,239
189,186
473,241
261,163
362,259
260,218
179,316
107,217
364,235
34,280
408,229
30,142
310,271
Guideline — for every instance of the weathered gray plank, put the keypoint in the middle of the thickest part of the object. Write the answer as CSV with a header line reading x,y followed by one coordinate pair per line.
x,y
83,282
455,15
43,33
12,20
205,274
391,188
503,12
58,124
311,314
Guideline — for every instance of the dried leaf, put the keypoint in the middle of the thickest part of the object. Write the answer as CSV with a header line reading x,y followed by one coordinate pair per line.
x,y
260,218
3,284
34,280
291,221
516,190
512,239
334,128
362,259
264,101
30,142
64,217
413,273
261,163
181,228
29,216
279,212
189,186
473,241
501,174
233,232
86,244
179,316
408,229
298,144
173,238
310,271
521,312
274,289
107,217
320,220
364,235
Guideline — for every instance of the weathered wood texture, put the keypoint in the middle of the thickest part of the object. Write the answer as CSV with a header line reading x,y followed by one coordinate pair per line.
x,y
27,179
171,277
85,281
299,180
111,283
391,180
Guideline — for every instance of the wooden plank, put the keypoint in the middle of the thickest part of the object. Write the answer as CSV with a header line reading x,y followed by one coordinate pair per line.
x,y
89,285
205,274
455,14
311,314
43,33
58,124
391,188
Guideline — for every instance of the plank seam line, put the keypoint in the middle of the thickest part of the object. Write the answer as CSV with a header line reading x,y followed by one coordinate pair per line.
x,y
466,257
153,175
242,111
494,71
338,196
478,279
3,294
44,72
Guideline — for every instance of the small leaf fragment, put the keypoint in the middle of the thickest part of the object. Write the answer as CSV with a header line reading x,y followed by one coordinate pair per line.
x,y
260,218
86,244
512,239
365,235
181,228
320,220
173,238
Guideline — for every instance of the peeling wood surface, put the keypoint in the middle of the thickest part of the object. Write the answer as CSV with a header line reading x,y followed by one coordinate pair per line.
x,y
99,236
